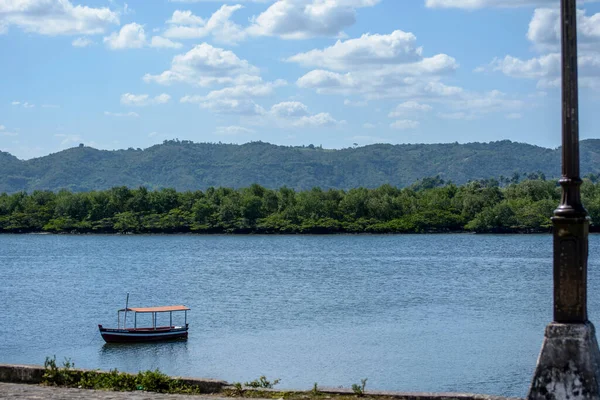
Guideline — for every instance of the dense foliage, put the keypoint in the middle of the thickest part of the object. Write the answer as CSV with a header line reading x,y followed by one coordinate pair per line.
x,y
430,205
184,165
149,381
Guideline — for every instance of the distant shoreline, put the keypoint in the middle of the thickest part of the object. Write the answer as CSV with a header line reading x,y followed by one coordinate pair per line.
x,y
430,206
462,232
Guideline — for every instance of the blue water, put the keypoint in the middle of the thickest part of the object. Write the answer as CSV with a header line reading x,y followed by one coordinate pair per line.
x,y
408,312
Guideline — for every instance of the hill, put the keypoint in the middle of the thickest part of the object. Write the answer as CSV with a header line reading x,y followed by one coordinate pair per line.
x,y
185,165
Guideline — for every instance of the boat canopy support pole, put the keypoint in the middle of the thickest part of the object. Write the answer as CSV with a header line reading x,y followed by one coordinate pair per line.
x,y
170,318
125,317
185,317
135,320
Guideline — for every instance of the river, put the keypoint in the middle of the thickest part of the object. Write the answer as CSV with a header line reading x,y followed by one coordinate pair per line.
x,y
455,312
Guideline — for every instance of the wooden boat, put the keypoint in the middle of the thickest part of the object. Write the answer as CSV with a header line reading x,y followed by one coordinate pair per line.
x,y
146,334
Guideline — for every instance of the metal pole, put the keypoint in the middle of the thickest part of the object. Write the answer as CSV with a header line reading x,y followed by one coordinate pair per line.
x,y
170,319
570,218
126,305
568,365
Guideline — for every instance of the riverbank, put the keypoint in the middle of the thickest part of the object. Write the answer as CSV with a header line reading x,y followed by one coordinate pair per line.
x,y
29,381
426,207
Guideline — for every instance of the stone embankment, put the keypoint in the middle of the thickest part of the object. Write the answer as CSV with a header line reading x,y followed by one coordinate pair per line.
x,y
23,382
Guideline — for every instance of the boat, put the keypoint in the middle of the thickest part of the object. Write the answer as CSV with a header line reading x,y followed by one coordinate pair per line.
x,y
123,334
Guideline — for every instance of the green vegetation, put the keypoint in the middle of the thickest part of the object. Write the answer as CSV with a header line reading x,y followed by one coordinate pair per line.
x,y
263,383
315,389
150,381
156,381
359,390
429,205
184,165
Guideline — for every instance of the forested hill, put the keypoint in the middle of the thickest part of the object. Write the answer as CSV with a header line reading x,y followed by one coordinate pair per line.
x,y
184,165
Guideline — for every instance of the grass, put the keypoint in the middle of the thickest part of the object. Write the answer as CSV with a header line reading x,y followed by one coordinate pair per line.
x,y
150,381
156,381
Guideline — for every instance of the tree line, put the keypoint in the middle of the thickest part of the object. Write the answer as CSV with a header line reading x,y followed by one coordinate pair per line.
x,y
429,205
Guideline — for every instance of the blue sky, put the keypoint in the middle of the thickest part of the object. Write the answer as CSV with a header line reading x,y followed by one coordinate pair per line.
x,y
115,75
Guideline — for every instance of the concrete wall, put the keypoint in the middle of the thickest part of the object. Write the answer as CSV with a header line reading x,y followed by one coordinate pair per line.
x,y
33,374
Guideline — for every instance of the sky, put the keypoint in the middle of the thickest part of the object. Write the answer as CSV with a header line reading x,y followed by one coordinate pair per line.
x,y
335,73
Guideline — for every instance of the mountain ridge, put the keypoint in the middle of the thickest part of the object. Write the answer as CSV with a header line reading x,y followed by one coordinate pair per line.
x,y
185,165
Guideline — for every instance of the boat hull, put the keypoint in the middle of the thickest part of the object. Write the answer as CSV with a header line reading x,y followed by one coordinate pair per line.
x,y
143,335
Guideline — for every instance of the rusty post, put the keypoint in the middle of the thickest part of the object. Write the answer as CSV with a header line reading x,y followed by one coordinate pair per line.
x,y
570,218
569,364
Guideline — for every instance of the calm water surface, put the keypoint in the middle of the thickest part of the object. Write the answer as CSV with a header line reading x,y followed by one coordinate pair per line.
x,y
408,312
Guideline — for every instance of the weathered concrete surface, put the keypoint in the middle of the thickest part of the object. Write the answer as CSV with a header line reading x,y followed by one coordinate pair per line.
x,y
20,391
34,373
569,364
21,373
16,377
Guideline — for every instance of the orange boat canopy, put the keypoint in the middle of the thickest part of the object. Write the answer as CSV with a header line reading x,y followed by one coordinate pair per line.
x,y
156,309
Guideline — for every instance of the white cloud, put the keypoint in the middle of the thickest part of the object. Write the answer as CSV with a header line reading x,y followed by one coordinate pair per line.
x,y
514,116
256,89
537,67
185,18
82,42
60,17
68,139
459,115
205,65
476,4
129,99
161,42
368,50
232,130
544,29
478,104
300,19
547,69
288,109
186,25
409,107
351,103
404,124
7,133
376,66
127,114
376,84
544,33
131,36
237,99
4,132
318,120
23,104
243,107
221,1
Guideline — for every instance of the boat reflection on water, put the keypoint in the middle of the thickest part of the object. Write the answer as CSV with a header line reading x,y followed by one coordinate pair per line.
x,y
135,357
